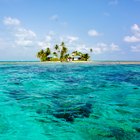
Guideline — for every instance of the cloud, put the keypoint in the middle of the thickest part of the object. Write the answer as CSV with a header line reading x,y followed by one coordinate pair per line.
x,y
81,47
23,42
25,38
11,21
135,48
135,29
48,38
22,36
54,17
72,39
48,41
44,44
68,39
93,33
52,39
25,33
114,47
58,20
6,45
3,43
131,39
98,48
103,47
113,2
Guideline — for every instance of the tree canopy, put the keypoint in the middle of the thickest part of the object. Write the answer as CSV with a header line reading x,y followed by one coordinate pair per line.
x,y
60,53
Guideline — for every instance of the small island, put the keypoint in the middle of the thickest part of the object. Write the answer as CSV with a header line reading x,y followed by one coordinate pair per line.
x,y
60,54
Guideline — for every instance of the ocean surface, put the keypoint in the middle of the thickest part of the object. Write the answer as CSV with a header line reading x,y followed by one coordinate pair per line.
x,y
69,101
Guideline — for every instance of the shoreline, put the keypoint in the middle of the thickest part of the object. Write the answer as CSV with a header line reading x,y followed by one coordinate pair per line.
x,y
73,62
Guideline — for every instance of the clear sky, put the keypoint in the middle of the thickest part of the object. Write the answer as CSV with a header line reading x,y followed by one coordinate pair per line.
x,y
110,27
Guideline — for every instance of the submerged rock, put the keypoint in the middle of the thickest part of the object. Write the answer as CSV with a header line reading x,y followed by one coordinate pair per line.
x,y
121,134
71,113
137,128
118,133
65,115
135,88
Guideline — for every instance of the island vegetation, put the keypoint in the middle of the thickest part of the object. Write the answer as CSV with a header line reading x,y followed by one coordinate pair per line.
x,y
61,54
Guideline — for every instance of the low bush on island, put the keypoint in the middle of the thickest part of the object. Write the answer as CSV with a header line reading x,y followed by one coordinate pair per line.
x,y
60,53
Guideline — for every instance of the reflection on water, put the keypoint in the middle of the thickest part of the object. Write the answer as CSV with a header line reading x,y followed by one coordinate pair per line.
x,y
69,102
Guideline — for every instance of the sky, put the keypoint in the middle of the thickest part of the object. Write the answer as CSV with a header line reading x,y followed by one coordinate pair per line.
x,y
110,27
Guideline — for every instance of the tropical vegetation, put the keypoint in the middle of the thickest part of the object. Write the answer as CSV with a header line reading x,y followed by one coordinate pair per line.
x,y
60,53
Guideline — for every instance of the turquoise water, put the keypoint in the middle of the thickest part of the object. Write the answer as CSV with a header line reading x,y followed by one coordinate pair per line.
x,y
69,102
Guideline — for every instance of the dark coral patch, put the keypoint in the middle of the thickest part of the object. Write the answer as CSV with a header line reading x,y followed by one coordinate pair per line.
x,y
71,113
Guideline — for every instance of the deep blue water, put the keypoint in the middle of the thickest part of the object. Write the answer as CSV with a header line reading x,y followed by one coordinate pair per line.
x,y
69,102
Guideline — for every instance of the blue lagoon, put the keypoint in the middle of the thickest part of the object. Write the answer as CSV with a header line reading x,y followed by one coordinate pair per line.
x,y
69,101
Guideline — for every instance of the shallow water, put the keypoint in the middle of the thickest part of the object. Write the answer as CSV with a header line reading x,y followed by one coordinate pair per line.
x,y
69,102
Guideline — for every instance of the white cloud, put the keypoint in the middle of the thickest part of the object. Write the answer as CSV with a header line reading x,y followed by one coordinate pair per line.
x,y
6,43
98,48
113,2
58,20
64,23
51,33
44,44
2,43
136,35
68,39
47,42
23,42
114,47
135,48
54,17
93,33
135,28
72,39
52,39
131,39
22,36
103,47
48,38
11,21
81,47
26,37
25,33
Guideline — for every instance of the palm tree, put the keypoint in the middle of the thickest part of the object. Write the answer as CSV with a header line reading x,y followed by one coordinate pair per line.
x,y
56,47
91,50
41,55
63,51
62,44
62,55
76,53
66,56
85,57
48,51
55,54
